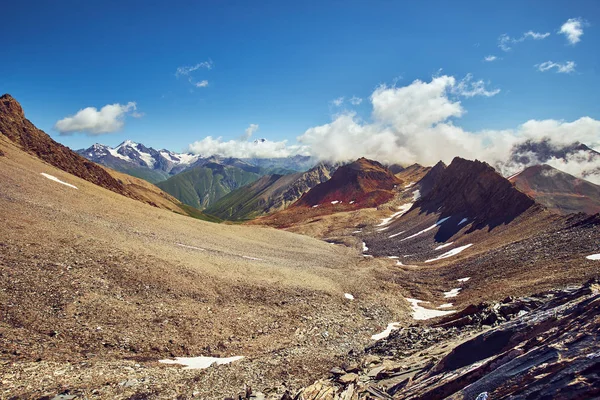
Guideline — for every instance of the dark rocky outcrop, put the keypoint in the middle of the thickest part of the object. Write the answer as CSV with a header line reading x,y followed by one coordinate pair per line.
x,y
474,189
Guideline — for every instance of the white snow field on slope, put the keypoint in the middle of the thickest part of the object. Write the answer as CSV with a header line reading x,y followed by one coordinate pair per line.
x,y
441,221
421,313
450,253
452,293
443,245
55,179
401,210
382,335
593,257
200,362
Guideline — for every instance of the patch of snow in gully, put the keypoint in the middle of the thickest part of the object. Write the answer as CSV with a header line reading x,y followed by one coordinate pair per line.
x,y
452,293
462,221
447,305
410,184
464,279
200,362
416,195
441,221
55,179
396,234
450,253
382,335
348,296
593,257
364,247
401,210
422,313
443,245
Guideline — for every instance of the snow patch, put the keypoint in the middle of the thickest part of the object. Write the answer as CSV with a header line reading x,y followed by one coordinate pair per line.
x,y
416,195
382,335
352,202
443,245
348,296
335,202
446,305
421,313
409,185
256,258
190,247
55,179
441,221
401,210
200,362
359,231
393,257
593,257
464,279
450,253
316,205
396,234
462,221
452,293
364,247
114,153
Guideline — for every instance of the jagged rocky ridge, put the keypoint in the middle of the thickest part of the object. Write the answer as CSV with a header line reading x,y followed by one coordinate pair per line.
x,y
540,346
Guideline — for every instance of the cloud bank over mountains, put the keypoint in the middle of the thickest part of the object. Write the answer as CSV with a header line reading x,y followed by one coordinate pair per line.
x,y
418,123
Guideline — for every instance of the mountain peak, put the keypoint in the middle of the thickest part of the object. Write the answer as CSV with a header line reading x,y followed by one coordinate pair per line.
x,y
10,106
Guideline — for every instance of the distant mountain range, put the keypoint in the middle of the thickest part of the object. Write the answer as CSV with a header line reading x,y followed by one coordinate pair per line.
x,y
269,193
158,165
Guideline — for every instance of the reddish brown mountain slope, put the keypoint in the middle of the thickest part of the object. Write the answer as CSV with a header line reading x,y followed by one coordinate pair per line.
x,y
365,183
558,191
19,130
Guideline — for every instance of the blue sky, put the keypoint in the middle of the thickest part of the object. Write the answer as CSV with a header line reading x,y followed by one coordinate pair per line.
x,y
280,64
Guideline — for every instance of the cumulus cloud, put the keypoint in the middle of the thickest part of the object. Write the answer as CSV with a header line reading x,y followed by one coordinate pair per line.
x,y
573,30
505,42
418,123
562,68
250,130
243,148
490,58
92,121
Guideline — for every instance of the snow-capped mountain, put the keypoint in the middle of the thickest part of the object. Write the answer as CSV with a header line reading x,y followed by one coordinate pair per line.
x,y
138,160
158,165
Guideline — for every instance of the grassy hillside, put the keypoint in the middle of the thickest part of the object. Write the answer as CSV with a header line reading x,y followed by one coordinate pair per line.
x,y
200,187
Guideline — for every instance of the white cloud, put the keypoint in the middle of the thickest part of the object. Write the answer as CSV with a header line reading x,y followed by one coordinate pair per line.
x,y
490,58
563,68
245,149
505,42
92,121
250,130
187,70
573,30
418,123
338,102
355,100
469,88
534,35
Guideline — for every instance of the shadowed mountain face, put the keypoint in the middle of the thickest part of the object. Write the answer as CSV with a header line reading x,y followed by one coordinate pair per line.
x,y
363,183
558,191
475,190
269,193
